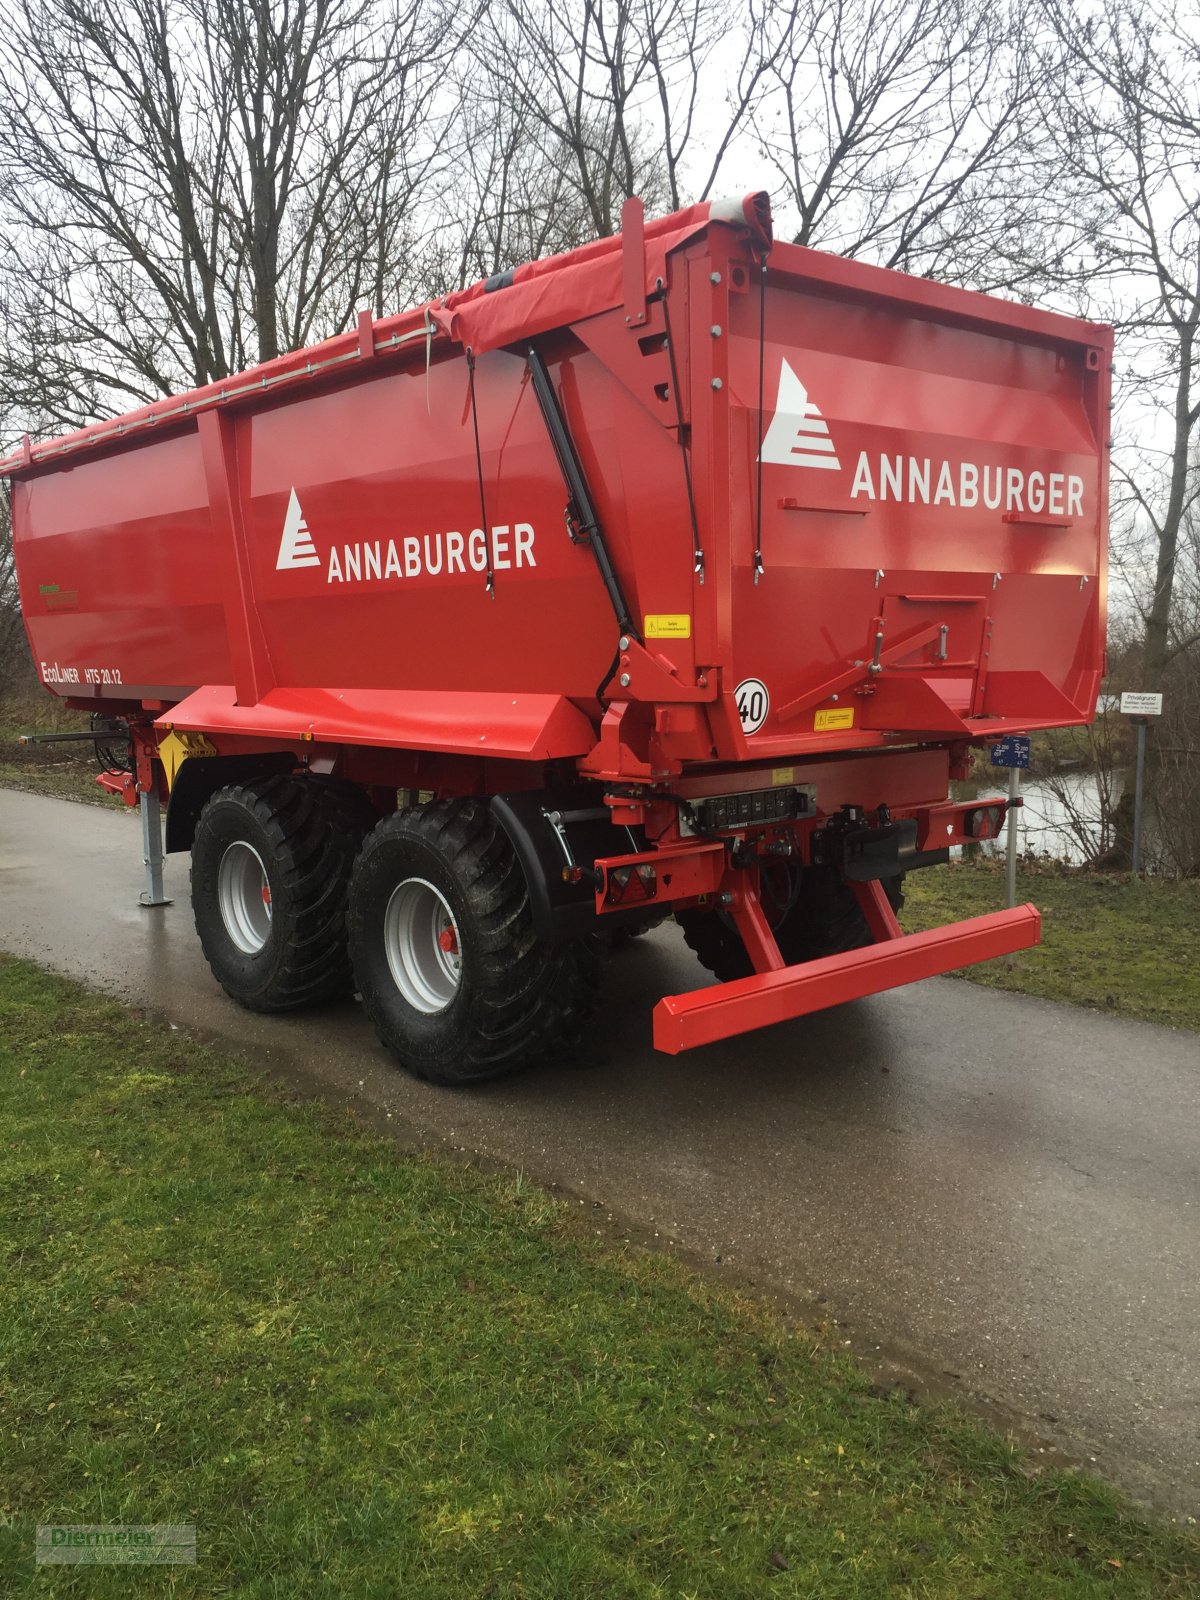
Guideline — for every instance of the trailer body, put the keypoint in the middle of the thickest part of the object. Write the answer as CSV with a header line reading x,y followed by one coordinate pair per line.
x,y
723,550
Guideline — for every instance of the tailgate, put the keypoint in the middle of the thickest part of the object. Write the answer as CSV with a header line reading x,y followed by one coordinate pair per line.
x,y
933,508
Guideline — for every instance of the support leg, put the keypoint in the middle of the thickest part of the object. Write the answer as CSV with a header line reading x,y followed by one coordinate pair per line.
x,y
152,850
876,909
750,920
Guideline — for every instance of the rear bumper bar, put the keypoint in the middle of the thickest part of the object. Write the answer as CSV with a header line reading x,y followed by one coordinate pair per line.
x,y
682,1021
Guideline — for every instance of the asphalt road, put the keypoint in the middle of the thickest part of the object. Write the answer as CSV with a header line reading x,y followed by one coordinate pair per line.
x,y
1001,1192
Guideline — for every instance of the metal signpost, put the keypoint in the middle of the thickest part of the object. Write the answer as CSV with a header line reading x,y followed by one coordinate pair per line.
x,y
1013,753
1140,708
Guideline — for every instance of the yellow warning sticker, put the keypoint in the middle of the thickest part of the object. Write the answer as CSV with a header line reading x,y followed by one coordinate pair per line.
x,y
669,625
827,721
783,775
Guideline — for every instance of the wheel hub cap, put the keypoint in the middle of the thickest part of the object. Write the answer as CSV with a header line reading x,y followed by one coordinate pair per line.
x,y
244,897
422,945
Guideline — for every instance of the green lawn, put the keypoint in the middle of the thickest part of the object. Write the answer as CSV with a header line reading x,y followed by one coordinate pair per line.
x,y
1122,944
362,1373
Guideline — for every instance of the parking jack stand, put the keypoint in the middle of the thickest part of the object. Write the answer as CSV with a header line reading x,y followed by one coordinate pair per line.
x,y
152,850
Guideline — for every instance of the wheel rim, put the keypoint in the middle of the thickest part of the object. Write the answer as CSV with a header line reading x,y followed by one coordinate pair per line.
x,y
422,944
244,896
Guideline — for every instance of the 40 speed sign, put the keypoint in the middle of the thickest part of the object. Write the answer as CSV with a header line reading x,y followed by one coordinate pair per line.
x,y
753,703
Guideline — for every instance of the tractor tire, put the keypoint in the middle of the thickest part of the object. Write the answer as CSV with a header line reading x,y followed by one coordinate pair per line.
x,y
450,972
271,866
824,919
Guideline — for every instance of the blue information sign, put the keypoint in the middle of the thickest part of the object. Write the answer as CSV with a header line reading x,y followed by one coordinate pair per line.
x,y
1012,751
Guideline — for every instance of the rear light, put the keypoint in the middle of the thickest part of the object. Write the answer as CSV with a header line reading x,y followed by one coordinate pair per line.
x,y
628,885
984,822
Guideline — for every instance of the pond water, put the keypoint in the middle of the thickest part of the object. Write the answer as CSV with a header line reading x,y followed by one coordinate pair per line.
x,y
1051,821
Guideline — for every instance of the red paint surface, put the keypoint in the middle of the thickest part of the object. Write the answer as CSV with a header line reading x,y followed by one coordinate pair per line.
x,y
296,558
683,1021
171,547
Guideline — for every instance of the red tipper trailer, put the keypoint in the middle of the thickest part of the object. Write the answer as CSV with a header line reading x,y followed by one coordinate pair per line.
x,y
678,574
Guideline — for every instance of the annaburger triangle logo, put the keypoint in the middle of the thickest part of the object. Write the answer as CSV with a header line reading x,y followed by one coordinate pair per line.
x,y
296,547
798,435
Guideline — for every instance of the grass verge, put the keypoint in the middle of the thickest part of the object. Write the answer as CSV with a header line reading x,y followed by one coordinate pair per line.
x,y
65,771
366,1374
61,779
1118,943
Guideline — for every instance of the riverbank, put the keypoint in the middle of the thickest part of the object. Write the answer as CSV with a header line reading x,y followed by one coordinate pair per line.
x,y
1121,944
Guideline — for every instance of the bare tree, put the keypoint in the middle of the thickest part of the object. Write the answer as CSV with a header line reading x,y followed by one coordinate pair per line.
x,y
515,195
900,132
622,97
1175,843
192,185
14,655
710,71
8,576
1126,127
573,70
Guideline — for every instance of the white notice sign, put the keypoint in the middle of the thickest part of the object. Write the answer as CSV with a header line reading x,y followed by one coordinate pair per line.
x,y
1141,705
